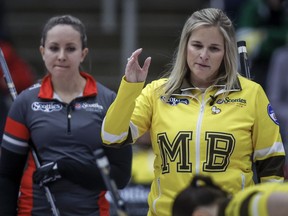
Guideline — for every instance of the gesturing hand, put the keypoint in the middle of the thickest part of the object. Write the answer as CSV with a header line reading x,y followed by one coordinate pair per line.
x,y
134,72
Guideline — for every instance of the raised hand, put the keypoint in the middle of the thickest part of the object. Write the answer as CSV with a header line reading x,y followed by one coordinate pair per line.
x,y
134,72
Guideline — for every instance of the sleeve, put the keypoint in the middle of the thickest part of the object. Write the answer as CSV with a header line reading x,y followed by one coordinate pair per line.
x,y
11,169
246,202
257,200
120,160
269,154
117,128
14,152
89,176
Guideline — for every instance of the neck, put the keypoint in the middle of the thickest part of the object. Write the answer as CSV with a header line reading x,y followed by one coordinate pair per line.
x,y
69,89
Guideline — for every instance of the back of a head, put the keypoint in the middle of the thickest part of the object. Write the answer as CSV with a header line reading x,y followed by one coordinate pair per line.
x,y
200,193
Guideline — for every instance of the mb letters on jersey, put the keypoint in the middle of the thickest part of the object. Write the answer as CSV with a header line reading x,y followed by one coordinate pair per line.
x,y
220,146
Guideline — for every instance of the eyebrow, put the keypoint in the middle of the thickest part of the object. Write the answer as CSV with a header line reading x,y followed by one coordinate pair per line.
x,y
56,43
213,44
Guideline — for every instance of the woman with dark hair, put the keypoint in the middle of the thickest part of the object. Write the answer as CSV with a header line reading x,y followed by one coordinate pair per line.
x,y
62,118
204,198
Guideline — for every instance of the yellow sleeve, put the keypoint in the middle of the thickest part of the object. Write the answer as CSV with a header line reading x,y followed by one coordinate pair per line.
x,y
116,123
269,154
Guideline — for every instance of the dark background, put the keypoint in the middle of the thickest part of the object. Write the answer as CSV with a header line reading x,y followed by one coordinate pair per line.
x,y
158,24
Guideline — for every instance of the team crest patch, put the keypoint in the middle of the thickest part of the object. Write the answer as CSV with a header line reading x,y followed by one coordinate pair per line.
x,y
272,114
175,101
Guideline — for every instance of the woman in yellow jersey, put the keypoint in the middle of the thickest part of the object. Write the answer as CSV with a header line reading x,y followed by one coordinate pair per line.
x,y
203,117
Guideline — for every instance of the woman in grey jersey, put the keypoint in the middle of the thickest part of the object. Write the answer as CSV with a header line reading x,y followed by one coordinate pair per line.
x,y
61,118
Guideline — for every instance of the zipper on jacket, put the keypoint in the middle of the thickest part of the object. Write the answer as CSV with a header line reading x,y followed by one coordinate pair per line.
x,y
198,134
69,116
159,195
243,181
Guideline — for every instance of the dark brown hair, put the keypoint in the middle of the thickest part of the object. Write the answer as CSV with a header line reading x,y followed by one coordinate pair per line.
x,y
201,192
65,20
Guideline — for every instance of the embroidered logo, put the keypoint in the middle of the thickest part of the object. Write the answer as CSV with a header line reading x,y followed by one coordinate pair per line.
x,y
175,101
272,114
46,106
91,107
215,110
238,101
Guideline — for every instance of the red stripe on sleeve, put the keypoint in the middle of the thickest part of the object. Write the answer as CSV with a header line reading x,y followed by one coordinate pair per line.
x,y
103,204
16,129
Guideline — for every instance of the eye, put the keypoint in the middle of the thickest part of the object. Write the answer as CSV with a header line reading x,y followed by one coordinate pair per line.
x,y
70,49
54,48
197,46
214,49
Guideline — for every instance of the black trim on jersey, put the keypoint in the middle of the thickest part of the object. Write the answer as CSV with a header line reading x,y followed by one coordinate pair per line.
x,y
244,209
127,141
270,167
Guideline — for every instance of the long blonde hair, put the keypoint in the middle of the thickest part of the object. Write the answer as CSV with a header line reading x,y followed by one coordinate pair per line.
x,y
228,69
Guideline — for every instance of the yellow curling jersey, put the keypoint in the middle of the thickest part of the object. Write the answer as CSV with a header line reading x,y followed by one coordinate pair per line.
x,y
254,200
215,133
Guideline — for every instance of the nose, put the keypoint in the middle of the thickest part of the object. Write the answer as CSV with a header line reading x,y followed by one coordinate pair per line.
x,y
61,55
204,54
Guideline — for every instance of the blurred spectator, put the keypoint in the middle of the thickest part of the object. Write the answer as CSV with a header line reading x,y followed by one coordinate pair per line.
x,y
21,73
233,8
277,90
263,24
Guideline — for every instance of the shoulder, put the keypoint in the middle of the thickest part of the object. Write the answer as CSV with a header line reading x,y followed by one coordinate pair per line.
x,y
104,91
105,95
156,83
248,83
30,92
154,87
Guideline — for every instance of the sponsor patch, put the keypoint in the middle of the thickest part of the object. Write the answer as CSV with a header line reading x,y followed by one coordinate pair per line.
x,y
46,106
272,114
91,107
175,101
240,102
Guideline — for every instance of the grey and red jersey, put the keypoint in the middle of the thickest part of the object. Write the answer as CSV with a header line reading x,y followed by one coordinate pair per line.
x,y
58,130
